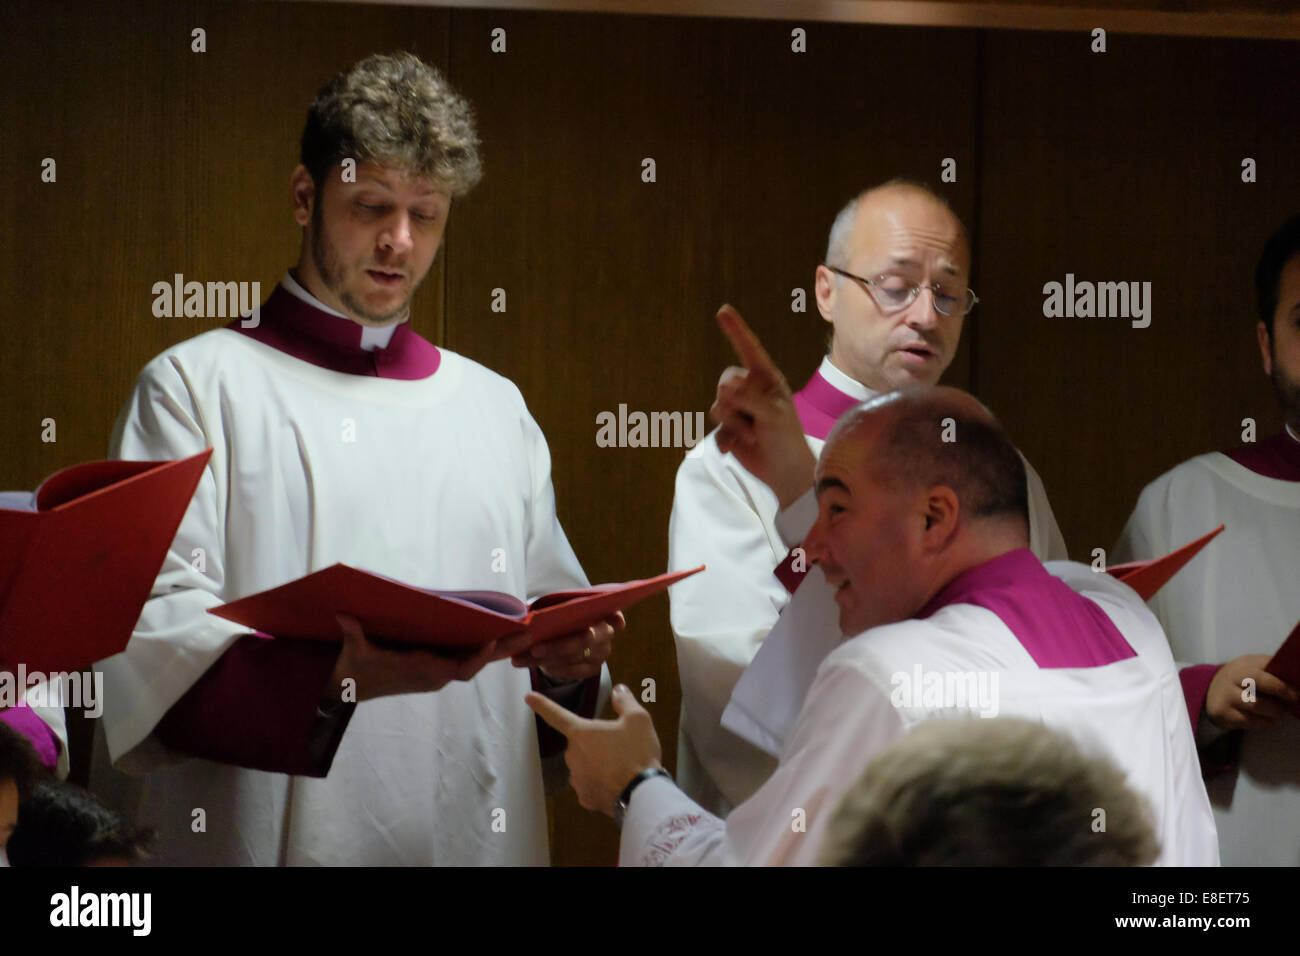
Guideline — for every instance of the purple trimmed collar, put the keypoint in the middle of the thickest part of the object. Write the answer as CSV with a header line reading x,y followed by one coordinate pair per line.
x,y
1056,626
1277,457
820,404
329,341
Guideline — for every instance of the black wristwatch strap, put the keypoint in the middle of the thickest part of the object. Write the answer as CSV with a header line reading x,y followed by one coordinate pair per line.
x,y
620,806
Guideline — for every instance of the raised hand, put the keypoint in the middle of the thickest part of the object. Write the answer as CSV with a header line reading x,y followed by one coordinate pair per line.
x,y
756,416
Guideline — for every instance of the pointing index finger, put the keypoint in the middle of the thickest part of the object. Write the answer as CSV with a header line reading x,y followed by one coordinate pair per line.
x,y
562,720
750,351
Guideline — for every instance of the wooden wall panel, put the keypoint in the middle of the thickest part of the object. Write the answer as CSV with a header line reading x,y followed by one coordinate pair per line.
x,y
1127,166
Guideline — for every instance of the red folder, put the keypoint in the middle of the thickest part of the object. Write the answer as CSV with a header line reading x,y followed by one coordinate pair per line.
x,y
1148,577
1286,663
452,622
75,572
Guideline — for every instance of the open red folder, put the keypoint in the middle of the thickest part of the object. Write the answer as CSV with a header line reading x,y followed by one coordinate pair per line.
x,y
75,572
1148,577
453,622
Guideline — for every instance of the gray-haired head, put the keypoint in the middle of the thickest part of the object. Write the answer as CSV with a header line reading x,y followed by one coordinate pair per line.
x,y
1000,792
397,111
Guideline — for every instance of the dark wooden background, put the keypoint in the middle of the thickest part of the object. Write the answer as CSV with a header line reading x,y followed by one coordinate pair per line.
x,y
1115,166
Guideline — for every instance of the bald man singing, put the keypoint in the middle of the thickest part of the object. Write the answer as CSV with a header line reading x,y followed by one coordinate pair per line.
x,y
894,290
922,531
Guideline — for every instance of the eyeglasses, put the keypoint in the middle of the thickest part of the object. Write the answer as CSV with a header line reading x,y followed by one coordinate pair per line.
x,y
894,293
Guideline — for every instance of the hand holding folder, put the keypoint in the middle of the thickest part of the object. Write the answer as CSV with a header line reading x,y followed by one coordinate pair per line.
x,y
454,623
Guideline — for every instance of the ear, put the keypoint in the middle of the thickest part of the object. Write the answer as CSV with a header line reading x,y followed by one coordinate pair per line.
x,y
1265,347
303,192
824,288
941,511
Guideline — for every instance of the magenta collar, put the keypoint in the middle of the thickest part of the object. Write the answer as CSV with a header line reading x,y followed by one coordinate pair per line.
x,y
24,720
1276,457
1056,626
330,341
820,404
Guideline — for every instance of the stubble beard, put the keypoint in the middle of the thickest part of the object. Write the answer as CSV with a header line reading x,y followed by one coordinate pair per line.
x,y
333,273
1288,394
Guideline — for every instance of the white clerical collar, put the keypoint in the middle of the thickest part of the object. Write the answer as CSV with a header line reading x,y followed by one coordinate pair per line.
x,y
371,338
848,385
1291,432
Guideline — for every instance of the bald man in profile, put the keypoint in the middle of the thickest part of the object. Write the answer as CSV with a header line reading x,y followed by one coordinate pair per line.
x,y
894,290
922,532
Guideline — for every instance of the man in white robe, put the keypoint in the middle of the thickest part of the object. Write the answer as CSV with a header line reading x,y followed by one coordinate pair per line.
x,y
887,247
340,435
1237,601
925,542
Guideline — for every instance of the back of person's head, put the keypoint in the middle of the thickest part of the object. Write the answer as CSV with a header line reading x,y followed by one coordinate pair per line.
x,y
397,111
989,792
1281,248
61,824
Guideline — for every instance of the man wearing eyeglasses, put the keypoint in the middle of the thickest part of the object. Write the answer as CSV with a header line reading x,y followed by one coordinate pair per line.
x,y
894,289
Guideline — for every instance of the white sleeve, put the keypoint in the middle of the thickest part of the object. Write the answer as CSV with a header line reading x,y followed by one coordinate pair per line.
x,y
1145,537
1045,538
1138,541
551,563
721,616
796,521
848,719
176,640
665,827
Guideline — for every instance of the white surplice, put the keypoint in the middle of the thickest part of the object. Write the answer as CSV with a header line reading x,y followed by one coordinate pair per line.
x,y
727,519
442,482
1241,595
1131,710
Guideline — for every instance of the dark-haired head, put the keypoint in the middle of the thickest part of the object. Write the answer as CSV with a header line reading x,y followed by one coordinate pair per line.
x,y
60,824
913,487
1281,248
